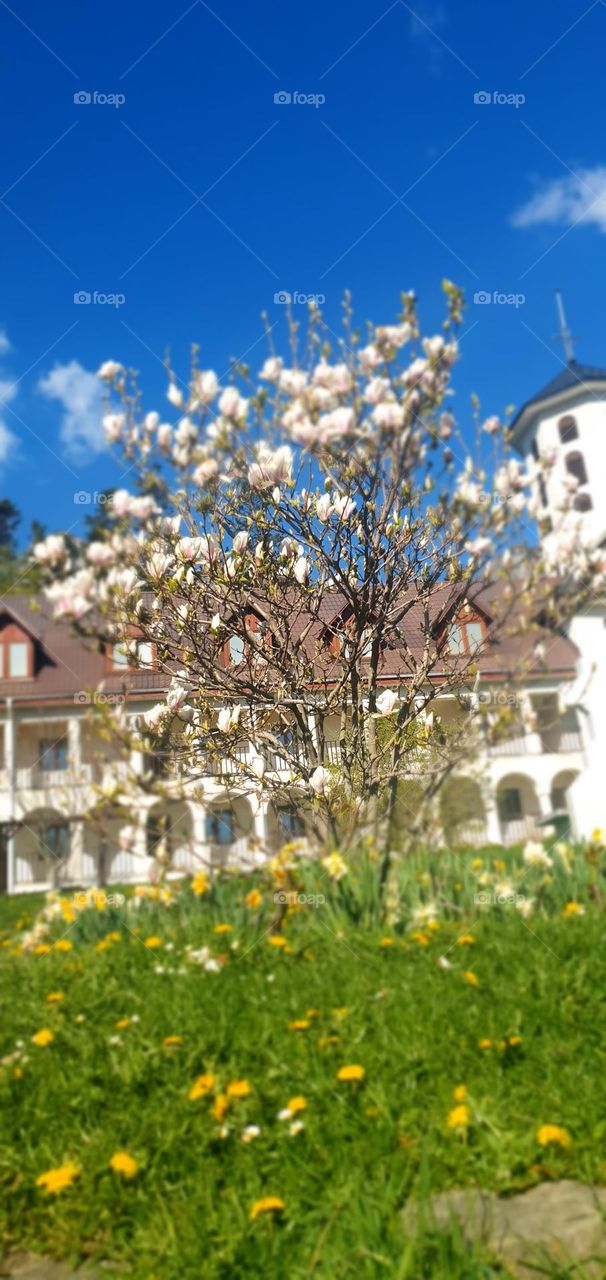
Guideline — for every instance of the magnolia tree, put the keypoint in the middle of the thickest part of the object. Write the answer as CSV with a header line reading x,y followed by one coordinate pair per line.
x,y
294,550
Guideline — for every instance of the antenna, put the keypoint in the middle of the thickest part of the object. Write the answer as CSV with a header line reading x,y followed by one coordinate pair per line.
x,y
564,336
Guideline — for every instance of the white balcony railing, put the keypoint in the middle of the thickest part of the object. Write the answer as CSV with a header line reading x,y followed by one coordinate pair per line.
x,y
34,779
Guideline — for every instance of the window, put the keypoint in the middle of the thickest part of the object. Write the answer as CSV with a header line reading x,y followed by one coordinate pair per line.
x,y
17,660
568,429
534,449
510,804
291,824
575,466
55,840
236,650
52,755
466,637
582,502
122,660
219,827
543,491
119,658
367,643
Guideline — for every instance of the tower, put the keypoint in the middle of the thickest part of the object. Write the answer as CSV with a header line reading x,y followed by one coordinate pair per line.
x,y
568,418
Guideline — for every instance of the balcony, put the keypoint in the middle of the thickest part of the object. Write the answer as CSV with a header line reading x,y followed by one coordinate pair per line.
x,y
34,779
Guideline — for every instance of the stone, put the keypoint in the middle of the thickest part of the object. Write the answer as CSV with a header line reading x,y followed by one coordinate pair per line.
x,y
32,1266
555,1222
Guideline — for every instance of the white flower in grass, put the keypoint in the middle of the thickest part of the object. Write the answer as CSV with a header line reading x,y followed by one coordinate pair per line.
x,y
535,855
296,1127
335,866
424,914
251,1132
285,1114
444,963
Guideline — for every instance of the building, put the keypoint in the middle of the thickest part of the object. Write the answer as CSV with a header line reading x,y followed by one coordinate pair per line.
x,y
569,417
53,763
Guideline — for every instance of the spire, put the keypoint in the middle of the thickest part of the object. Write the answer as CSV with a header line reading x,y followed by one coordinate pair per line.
x,y
564,336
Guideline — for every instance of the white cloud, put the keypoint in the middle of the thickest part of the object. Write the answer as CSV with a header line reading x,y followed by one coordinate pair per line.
x,y
8,390
4,342
576,199
81,397
9,442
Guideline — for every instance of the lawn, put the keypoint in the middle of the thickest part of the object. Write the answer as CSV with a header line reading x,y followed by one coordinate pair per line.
x,y
202,1038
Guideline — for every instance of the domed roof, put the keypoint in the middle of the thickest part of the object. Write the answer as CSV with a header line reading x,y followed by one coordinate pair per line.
x,y
573,376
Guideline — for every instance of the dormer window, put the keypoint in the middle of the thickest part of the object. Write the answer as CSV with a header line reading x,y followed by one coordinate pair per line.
x,y
16,654
568,429
582,502
466,636
235,647
575,466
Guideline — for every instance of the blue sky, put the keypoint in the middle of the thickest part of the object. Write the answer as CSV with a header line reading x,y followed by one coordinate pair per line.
x,y
198,197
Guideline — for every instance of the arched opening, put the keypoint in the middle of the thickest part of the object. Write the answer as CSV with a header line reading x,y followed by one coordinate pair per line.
x,y
575,466
229,826
462,811
169,835
568,429
519,809
42,848
560,787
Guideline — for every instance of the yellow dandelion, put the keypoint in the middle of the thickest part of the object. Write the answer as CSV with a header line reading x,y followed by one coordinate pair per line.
x,y
43,1037
199,883
124,1164
553,1135
471,978
351,1072
238,1089
122,1024
220,1106
296,1104
460,1093
223,928
299,1024
268,1204
253,899
277,940
56,1180
386,942
514,1040
340,1014
466,940
573,909
172,1042
458,1117
42,949
420,938
312,1013
55,997
153,942
201,1086
63,944
325,1041
485,1043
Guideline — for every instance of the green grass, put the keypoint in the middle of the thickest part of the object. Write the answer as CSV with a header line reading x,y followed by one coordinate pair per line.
x,y
413,1026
